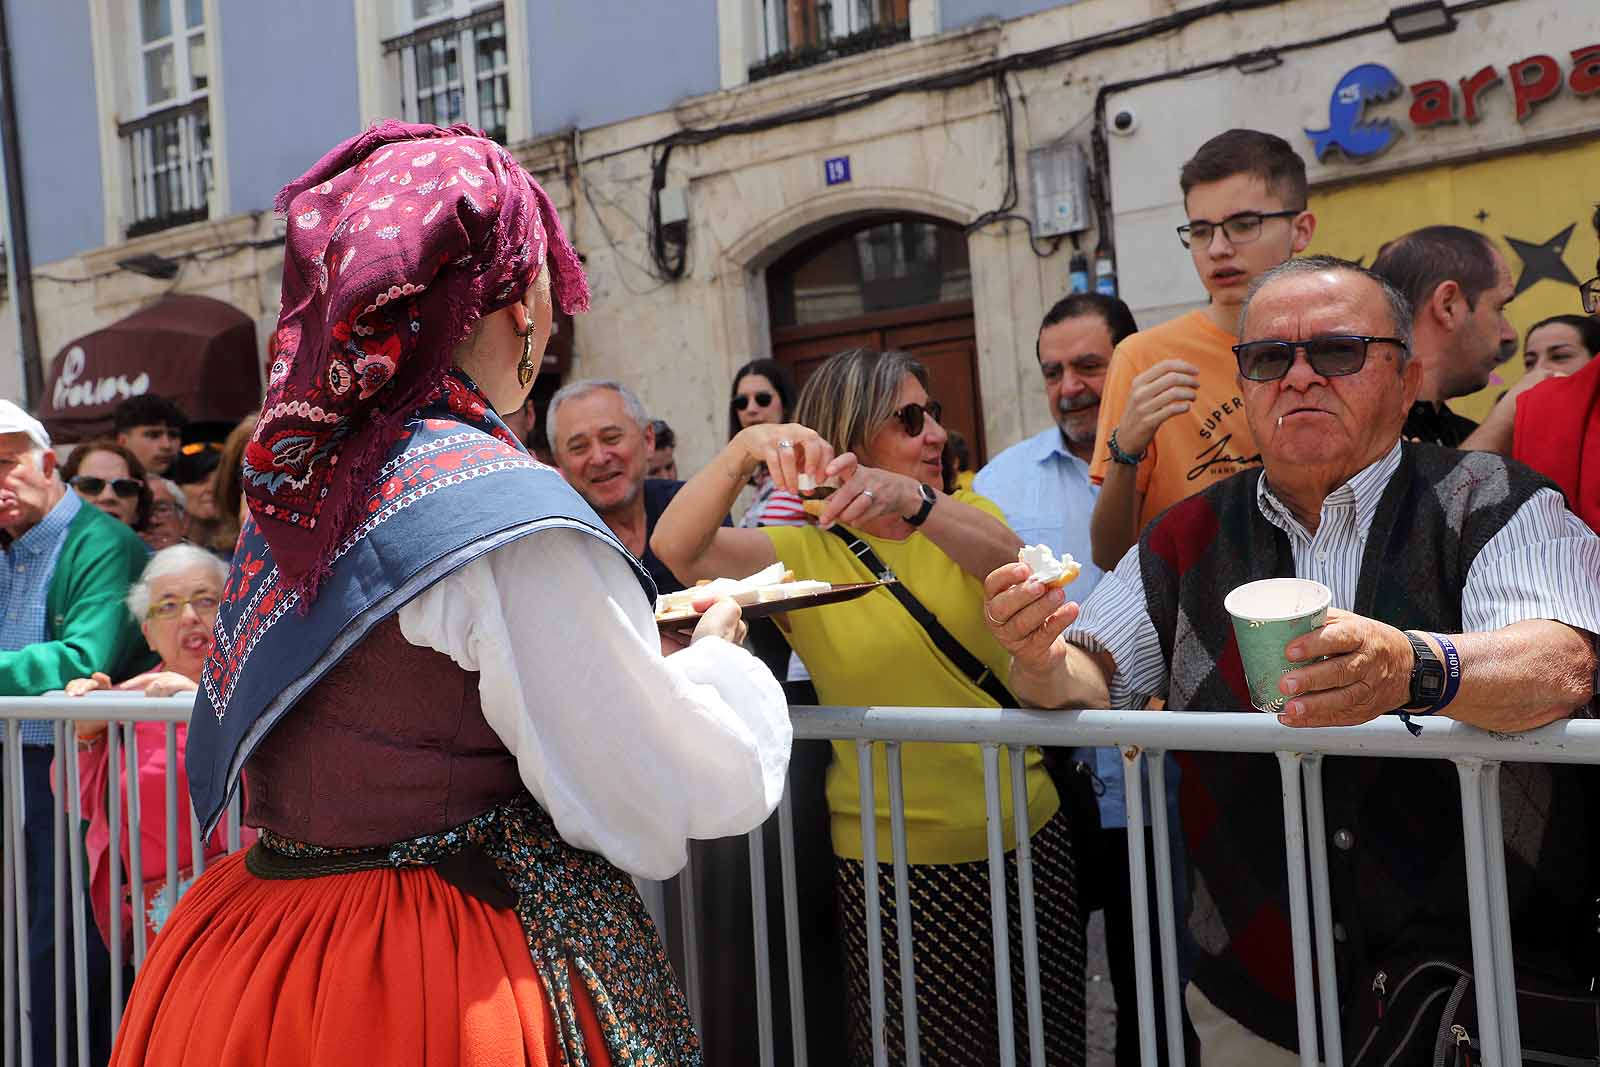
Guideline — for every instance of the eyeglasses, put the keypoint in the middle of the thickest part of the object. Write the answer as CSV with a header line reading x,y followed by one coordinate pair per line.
x,y
1589,293
126,488
165,509
1332,356
204,604
1240,229
912,416
742,401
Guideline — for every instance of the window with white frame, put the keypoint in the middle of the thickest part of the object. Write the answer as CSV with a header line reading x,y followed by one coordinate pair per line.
x,y
450,62
168,145
798,33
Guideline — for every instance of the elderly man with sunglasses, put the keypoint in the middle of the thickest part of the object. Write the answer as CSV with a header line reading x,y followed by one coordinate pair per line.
x,y
1462,587
65,566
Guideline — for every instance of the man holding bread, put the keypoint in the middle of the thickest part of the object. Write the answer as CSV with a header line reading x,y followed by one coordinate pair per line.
x,y
1461,586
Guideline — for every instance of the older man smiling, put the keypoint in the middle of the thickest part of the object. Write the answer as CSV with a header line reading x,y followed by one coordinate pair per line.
x,y
1432,555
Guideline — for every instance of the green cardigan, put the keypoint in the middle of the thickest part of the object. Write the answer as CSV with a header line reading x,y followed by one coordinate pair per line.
x,y
88,625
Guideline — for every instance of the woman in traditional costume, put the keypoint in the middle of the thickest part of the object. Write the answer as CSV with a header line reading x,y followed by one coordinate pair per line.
x,y
439,672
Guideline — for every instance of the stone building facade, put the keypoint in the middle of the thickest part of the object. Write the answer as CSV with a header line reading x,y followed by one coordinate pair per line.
x,y
835,204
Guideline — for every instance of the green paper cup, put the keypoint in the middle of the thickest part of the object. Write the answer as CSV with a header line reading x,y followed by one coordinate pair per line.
x,y
1267,615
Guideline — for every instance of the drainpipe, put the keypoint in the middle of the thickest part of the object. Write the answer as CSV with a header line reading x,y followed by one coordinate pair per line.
x,y
17,229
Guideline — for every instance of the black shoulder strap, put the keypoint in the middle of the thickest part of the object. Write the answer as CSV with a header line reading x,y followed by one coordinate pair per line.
x,y
975,669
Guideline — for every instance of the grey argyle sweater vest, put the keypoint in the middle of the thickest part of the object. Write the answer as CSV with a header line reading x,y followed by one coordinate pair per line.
x,y
1400,884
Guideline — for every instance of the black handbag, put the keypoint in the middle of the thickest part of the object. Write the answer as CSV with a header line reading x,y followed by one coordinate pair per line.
x,y
1424,1010
1075,781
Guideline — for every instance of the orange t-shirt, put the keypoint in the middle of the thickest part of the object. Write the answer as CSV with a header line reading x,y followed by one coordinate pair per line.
x,y
1205,444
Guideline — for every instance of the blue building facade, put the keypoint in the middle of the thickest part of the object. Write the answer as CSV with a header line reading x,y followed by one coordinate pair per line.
x,y
285,80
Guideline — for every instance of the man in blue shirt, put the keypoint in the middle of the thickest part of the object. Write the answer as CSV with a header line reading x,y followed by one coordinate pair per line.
x,y
1042,485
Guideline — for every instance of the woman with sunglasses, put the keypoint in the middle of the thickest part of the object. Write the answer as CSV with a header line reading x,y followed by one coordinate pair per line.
x,y
763,392
175,603
866,423
111,478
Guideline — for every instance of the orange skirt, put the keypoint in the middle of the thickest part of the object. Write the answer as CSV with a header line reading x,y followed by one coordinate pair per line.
x,y
392,967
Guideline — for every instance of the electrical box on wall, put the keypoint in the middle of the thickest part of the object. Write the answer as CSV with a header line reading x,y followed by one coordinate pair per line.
x,y
1060,175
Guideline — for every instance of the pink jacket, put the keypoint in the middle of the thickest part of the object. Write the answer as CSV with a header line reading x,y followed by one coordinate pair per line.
x,y
152,763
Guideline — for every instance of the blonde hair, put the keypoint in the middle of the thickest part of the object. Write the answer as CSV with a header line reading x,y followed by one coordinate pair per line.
x,y
853,393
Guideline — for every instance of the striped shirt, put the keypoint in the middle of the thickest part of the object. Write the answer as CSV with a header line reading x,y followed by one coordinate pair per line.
x,y
26,567
773,506
1543,564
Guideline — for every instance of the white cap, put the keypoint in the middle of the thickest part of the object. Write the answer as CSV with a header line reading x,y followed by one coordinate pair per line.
x,y
14,420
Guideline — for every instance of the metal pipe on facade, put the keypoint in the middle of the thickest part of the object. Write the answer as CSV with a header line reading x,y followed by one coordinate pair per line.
x,y
17,229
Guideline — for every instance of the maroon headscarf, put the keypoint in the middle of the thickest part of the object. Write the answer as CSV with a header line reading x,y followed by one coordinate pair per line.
x,y
399,241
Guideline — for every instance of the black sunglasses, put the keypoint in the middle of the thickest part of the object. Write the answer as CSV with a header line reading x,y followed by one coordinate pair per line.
x,y
126,488
1241,228
1331,356
912,416
742,401
1589,293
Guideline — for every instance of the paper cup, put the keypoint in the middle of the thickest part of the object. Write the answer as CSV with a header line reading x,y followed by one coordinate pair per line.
x,y
1267,615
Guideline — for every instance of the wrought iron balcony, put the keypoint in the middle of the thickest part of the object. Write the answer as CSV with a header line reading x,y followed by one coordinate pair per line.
x,y
169,166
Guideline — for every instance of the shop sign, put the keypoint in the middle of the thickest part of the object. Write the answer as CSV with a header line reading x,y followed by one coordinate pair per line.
x,y
70,392
1356,131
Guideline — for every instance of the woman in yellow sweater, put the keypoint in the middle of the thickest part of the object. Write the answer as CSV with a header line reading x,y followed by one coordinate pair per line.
x,y
865,420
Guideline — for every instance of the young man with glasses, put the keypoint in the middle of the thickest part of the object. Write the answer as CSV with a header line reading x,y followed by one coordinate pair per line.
x,y
1171,415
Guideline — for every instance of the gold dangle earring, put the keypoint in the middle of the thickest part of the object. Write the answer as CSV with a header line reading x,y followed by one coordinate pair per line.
x,y
525,367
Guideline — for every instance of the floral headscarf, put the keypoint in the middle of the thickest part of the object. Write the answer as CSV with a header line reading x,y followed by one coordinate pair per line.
x,y
399,240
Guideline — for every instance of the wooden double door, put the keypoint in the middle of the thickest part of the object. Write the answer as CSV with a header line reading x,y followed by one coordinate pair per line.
x,y
942,336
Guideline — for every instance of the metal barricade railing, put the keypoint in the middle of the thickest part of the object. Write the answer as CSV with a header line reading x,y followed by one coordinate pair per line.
x,y
69,866
1144,738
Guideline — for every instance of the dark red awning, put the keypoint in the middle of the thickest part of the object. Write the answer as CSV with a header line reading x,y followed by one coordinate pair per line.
x,y
198,352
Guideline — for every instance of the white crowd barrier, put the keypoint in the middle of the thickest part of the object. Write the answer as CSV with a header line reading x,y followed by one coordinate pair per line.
x,y
1144,738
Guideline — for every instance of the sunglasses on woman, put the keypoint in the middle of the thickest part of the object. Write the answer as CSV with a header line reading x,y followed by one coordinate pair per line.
x,y
742,401
126,488
1331,357
912,416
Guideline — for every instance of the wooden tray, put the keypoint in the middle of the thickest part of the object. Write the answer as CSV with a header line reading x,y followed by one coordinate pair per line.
x,y
837,595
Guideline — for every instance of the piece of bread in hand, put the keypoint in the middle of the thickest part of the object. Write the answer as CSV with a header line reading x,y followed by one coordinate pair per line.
x,y
1046,568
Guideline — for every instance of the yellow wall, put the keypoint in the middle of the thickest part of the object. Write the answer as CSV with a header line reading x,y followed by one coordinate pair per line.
x,y
1531,196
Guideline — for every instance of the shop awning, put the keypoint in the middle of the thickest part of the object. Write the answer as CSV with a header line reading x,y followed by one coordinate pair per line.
x,y
198,352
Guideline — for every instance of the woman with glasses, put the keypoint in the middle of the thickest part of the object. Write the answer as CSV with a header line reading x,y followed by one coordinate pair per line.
x,y
111,478
866,424
763,392
175,604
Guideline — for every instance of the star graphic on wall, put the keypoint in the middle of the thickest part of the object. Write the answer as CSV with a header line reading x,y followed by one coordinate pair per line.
x,y
1541,261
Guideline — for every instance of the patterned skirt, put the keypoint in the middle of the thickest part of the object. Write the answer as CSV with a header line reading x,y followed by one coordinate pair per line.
x,y
953,950
546,957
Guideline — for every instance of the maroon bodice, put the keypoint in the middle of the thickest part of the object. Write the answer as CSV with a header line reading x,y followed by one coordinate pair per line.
x,y
389,745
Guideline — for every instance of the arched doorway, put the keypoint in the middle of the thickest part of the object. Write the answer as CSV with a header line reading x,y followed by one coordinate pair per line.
x,y
884,281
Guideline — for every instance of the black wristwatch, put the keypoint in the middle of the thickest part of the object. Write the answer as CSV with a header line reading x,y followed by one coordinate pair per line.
x,y
928,497
1427,676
